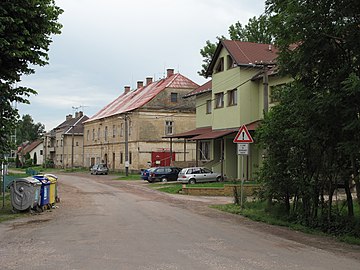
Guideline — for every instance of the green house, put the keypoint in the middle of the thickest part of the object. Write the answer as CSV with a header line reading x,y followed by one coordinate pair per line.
x,y
243,75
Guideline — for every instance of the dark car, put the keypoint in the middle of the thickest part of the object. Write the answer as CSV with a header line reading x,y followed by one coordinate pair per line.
x,y
163,174
145,173
100,169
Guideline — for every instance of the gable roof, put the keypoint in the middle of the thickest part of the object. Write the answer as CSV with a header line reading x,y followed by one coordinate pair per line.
x,y
31,146
137,98
245,53
75,123
206,87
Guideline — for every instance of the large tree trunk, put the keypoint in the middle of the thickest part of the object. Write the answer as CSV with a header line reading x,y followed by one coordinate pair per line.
x,y
349,200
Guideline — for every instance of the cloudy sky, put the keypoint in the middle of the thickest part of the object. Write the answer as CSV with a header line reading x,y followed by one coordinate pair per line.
x,y
107,44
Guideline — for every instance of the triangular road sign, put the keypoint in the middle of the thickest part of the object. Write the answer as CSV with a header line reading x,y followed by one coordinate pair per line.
x,y
243,136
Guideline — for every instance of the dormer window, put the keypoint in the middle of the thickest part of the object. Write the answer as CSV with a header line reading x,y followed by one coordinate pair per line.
x,y
220,65
230,62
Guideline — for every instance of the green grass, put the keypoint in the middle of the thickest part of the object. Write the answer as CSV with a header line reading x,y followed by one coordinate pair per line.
x,y
257,211
122,176
6,211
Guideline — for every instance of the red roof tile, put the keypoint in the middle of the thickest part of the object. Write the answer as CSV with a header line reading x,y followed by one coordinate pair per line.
x,y
245,53
137,98
206,87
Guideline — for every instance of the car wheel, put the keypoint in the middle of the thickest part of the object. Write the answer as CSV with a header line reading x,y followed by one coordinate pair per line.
x,y
192,181
150,181
164,179
219,179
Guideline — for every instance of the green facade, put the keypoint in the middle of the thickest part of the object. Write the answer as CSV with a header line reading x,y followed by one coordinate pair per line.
x,y
248,108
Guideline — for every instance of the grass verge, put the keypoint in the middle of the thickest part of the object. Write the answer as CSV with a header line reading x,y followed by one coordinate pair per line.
x,y
6,211
257,211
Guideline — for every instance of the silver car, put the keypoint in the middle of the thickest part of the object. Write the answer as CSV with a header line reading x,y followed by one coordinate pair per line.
x,y
197,175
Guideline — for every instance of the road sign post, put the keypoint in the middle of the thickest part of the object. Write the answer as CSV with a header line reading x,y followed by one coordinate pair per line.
x,y
243,138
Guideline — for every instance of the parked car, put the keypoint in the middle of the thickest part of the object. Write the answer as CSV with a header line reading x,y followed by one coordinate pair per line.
x,y
194,175
145,173
163,174
100,169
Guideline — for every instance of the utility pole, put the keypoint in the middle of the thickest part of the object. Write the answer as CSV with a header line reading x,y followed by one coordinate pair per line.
x,y
266,88
72,147
126,145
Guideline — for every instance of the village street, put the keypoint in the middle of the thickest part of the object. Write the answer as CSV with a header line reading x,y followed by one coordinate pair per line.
x,y
106,224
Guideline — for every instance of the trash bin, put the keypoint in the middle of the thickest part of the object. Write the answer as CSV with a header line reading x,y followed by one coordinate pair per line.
x,y
54,186
25,193
45,190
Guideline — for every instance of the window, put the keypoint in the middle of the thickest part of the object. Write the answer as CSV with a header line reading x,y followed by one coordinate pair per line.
x,y
169,127
77,143
105,133
61,143
232,97
121,158
130,157
93,135
114,131
219,100
174,97
41,152
230,62
98,134
204,150
57,143
121,129
130,127
208,106
220,65
87,135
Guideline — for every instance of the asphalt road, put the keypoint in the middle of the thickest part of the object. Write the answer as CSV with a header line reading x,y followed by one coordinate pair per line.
x,y
106,224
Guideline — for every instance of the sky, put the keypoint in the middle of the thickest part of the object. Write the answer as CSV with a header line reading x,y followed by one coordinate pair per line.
x,y
108,44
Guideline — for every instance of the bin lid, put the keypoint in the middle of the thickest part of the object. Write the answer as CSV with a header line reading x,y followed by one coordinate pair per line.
x,y
28,180
51,175
42,179
52,178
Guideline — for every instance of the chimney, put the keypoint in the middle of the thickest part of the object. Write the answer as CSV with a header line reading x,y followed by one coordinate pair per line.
x,y
81,114
126,89
140,84
76,114
149,80
170,72
68,117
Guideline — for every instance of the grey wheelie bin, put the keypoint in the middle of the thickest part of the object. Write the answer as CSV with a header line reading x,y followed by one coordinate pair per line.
x,y
25,193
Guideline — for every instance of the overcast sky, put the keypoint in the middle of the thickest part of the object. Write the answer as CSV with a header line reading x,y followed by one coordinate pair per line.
x,y
107,44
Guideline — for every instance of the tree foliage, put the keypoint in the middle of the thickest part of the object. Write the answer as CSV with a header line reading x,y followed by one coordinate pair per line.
x,y
317,124
27,130
25,36
256,30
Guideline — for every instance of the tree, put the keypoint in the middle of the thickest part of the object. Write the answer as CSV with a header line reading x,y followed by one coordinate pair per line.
x,y
25,35
256,30
319,111
27,130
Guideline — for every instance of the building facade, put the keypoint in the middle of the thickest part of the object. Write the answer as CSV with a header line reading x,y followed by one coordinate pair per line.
x,y
63,146
243,76
131,132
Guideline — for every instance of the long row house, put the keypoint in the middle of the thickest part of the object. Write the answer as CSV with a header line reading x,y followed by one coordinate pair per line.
x,y
174,121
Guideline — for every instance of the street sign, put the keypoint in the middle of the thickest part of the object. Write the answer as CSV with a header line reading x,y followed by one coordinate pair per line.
x,y
243,136
243,148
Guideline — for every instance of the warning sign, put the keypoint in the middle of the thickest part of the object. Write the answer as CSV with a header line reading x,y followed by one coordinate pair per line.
x,y
243,136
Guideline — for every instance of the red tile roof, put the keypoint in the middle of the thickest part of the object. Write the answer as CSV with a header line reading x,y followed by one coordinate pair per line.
x,y
245,53
137,98
206,87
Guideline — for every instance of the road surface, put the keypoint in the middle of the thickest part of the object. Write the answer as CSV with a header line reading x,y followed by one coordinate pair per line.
x,y
107,224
